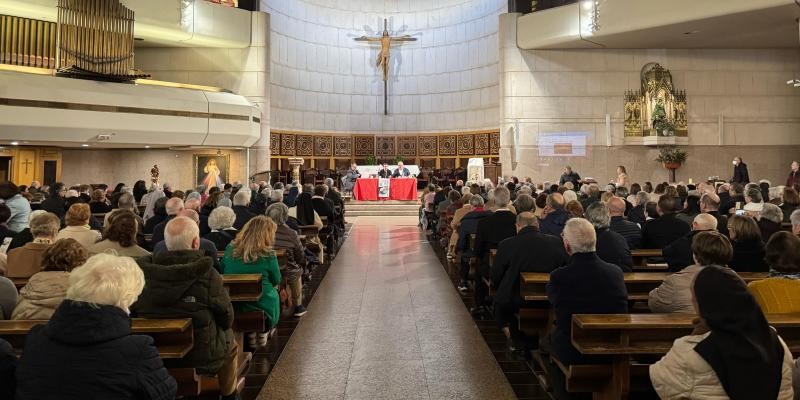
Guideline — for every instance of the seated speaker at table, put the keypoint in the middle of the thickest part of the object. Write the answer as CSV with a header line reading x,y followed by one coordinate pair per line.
x,y
401,171
385,172
349,180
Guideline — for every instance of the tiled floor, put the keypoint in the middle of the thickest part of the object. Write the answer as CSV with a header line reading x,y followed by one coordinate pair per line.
x,y
386,323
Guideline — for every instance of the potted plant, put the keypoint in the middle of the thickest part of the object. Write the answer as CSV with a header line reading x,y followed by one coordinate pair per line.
x,y
664,127
371,160
671,157
398,159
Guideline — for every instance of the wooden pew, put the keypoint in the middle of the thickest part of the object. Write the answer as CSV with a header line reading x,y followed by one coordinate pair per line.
x,y
536,316
638,284
173,338
630,338
640,257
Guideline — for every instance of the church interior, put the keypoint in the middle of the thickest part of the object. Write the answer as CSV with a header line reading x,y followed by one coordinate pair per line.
x,y
397,199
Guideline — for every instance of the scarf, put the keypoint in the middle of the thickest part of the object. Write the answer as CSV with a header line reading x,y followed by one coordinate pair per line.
x,y
742,348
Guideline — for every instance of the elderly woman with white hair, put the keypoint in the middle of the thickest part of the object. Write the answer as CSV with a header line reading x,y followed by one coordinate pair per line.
x,y
221,223
586,285
87,350
286,238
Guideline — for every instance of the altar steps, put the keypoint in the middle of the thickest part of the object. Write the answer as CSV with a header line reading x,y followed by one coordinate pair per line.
x,y
388,208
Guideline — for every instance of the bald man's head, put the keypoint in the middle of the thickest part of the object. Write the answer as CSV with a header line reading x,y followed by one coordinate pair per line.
x,y
181,233
174,206
704,222
192,204
191,214
616,207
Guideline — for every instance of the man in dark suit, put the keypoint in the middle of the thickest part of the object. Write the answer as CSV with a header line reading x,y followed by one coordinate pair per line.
x,y
587,285
528,251
736,195
665,229
629,230
490,232
570,176
241,207
740,173
385,172
554,216
469,226
611,246
173,206
678,254
709,204
401,171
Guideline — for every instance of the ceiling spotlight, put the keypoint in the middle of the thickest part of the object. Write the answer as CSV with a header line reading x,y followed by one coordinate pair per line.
x,y
793,82
84,145
147,147
14,143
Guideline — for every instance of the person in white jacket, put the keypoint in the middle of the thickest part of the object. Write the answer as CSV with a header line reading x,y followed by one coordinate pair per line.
x,y
733,352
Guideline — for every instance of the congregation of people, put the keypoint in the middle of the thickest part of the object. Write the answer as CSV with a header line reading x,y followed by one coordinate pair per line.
x,y
582,233
90,258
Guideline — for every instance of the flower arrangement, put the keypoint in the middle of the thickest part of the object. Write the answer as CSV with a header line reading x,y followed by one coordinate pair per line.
x,y
671,157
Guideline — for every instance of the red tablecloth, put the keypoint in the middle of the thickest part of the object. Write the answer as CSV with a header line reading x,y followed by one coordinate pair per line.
x,y
399,189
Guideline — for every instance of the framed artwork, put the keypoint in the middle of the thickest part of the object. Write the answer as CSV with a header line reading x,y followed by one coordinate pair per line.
x,y
212,169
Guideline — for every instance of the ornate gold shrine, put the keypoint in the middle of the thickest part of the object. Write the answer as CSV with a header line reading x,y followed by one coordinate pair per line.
x,y
656,113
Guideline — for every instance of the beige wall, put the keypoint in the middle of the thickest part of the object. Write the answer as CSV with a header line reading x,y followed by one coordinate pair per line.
x,y
128,166
738,104
242,71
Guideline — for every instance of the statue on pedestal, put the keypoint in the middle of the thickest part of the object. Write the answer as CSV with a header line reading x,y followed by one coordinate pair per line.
x,y
154,174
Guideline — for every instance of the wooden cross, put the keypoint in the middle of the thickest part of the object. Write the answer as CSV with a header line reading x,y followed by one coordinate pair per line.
x,y
26,163
383,58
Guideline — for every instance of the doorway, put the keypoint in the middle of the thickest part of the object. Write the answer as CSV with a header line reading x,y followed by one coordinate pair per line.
x,y
5,169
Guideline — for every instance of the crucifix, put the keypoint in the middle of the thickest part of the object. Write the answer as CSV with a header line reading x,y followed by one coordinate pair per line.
x,y
26,163
383,57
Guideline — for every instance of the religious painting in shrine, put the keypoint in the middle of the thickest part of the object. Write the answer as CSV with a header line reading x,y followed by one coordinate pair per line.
x,y
211,170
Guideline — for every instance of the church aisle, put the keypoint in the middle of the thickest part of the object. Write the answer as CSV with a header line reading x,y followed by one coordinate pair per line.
x,y
386,323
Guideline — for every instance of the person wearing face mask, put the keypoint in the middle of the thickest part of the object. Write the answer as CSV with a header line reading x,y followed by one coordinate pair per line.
x,y
740,174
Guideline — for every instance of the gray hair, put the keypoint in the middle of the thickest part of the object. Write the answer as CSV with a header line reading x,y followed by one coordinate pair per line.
x,y
569,195
241,198
476,201
771,212
276,196
525,219
329,182
126,202
642,198
278,186
795,217
180,232
598,215
581,235
524,203
224,202
706,222
221,218
278,213
501,196
106,279
44,225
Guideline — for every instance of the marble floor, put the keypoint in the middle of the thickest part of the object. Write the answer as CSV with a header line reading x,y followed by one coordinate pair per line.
x,y
386,323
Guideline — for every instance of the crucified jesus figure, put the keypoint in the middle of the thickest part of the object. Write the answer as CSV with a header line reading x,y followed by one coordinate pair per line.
x,y
386,44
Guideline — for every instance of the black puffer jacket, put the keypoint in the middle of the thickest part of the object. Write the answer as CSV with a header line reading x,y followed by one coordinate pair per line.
x,y
88,352
183,284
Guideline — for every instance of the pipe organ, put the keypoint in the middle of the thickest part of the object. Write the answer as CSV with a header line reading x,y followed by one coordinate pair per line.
x,y
27,42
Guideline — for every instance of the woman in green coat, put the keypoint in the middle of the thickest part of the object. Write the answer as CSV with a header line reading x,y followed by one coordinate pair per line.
x,y
251,253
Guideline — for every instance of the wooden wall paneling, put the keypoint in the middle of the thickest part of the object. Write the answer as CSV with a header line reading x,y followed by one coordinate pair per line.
x,y
287,145
323,146
305,145
364,145
385,147
447,145
494,143
274,143
466,144
427,146
342,146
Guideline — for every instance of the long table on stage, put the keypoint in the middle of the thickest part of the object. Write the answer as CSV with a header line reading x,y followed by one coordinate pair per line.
x,y
399,189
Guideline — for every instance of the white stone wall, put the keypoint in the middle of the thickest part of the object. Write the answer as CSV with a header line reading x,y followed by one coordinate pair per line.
x,y
243,71
738,103
323,80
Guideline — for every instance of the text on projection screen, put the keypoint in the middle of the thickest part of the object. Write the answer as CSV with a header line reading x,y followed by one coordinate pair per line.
x,y
571,144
